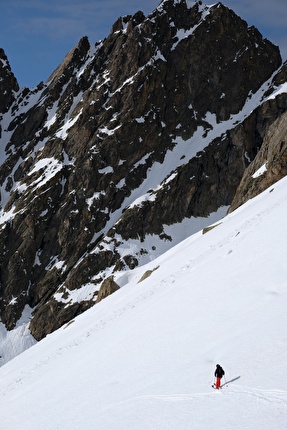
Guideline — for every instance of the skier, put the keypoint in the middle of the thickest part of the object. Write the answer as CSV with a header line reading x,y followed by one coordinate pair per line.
x,y
219,372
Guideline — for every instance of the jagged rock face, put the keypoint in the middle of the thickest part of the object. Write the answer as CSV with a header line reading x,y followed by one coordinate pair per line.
x,y
8,84
268,124
269,166
126,138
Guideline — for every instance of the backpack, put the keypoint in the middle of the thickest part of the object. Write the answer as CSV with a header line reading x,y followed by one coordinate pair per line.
x,y
219,372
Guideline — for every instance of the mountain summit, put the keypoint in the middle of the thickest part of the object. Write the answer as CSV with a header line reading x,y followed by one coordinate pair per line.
x,y
131,145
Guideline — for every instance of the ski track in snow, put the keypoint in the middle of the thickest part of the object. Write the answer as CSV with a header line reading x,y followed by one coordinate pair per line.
x,y
140,358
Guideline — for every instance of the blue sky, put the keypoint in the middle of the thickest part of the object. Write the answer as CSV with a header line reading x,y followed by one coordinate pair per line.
x,y
37,34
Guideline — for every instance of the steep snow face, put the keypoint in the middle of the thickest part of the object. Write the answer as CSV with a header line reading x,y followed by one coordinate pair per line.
x,y
14,342
144,357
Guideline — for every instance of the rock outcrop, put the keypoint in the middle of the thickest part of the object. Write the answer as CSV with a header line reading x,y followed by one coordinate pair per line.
x,y
108,287
8,84
269,166
152,126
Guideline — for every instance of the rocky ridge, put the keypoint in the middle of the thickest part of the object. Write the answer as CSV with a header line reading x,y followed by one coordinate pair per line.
x,y
147,130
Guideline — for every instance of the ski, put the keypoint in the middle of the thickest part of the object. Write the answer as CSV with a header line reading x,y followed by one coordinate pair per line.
x,y
220,388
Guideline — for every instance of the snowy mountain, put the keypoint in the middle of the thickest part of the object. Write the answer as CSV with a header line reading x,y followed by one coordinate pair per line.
x,y
145,356
131,146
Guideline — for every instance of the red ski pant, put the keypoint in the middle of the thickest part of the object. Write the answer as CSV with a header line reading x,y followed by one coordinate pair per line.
x,y
217,383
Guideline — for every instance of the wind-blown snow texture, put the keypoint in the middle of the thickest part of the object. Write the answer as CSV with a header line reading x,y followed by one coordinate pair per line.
x,y
144,357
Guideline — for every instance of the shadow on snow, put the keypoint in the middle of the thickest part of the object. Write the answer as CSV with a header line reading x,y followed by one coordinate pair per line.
x,y
231,380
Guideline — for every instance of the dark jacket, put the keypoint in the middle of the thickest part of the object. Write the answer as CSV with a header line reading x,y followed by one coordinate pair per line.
x,y
219,372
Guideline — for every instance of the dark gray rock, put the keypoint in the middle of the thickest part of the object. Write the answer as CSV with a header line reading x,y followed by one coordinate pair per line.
x,y
269,166
8,83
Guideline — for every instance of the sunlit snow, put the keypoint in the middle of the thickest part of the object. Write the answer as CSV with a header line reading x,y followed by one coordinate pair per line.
x,y
144,357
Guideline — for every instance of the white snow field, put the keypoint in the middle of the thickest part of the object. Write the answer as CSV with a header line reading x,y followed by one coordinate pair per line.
x,y
144,358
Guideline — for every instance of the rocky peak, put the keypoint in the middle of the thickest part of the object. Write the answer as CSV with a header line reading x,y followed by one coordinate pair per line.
x,y
129,141
8,83
128,22
73,60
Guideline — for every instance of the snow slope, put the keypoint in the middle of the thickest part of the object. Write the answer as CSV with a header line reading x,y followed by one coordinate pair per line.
x,y
144,357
